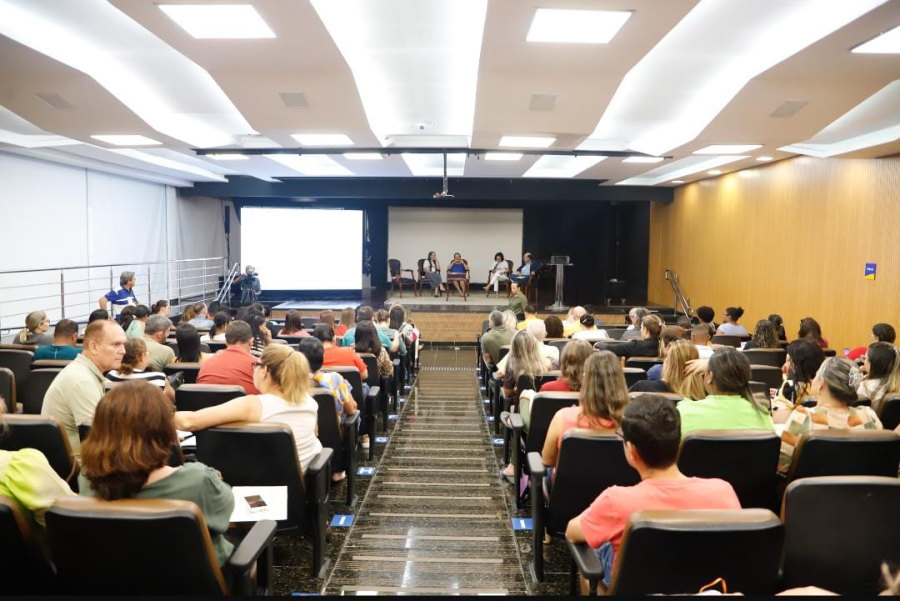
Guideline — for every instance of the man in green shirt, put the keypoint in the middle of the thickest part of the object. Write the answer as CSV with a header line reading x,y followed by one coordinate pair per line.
x,y
517,301
156,330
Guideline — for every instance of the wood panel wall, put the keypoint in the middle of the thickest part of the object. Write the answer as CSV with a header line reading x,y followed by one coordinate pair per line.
x,y
791,237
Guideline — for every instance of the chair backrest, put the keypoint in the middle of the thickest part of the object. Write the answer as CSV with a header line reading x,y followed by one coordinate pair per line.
x,y
394,267
511,265
504,351
216,345
771,376
759,388
644,363
8,388
329,427
292,339
773,357
829,352
309,322
372,367
204,346
23,569
190,371
193,397
148,547
352,375
559,343
544,406
590,461
19,362
524,382
838,530
32,394
634,374
746,459
258,454
44,363
889,412
727,340
421,268
846,453
672,552
615,333
45,434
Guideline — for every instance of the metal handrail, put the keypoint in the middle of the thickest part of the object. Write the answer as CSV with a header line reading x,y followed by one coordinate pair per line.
x,y
680,299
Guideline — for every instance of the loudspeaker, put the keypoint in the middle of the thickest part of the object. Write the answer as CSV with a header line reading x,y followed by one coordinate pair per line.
x,y
227,219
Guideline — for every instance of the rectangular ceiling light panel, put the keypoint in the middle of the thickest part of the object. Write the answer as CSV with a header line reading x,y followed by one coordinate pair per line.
x,y
886,43
526,142
168,91
564,26
414,61
706,59
127,140
219,21
561,166
728,149
323,139
432,165
311,164
680,168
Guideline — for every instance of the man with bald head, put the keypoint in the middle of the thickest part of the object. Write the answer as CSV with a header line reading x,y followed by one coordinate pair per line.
x,y
74,394
572,322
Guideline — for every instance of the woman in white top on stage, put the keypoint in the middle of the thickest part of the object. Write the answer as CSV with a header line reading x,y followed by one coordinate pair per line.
x,y
432,272
282,376
499,272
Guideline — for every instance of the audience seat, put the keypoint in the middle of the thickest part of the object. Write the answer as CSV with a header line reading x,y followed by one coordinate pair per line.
x,y
265,454
8,389
522,383
45,434
829,352
838,531
216,345
23,569
309,323
644,363
766,356
45,363
352,375
889,412
194,397
615,333
31,395
151,547
634,374
340,437
559,343
382,383
204,346
726,340
590,461
771,376
746,459
846,453
679,552
190,371
17,361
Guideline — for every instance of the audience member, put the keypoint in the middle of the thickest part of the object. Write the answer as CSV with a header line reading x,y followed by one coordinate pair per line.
x,y
635,316
700,336
572,323
882,367
729,405
499,335
367,342
778,322
282,377
834,387
161,307
431,273
383,324
810,328
684,322
98,314
156,330
673,377
669,335
399,320
530,315
198,316
589,330
510,320
332,381
326,316
554,327
134,365
528,268
127,455
188,339
217,333
650,345
706,315
537,329
27,478
499,273
651,432
804,357
37,324
261,334
65,337
366,313
764,336
517,301
524,359
76,390
571,366
348,320
235,364
135,326
123,297
730,325
126,316
293,325
881,332
339,356
602,398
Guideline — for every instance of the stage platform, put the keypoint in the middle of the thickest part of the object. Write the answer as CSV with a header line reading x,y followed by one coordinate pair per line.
x,y
317,305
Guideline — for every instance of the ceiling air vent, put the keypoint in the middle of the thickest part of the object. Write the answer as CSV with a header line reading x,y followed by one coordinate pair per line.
x,y
542,102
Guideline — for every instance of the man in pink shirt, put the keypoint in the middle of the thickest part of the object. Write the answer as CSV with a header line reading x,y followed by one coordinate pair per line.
x,y
651,429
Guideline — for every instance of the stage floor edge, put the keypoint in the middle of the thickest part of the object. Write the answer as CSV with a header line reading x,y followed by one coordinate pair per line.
x,y
317,305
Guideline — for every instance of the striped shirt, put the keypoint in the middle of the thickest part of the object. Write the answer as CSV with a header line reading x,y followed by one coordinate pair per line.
x,y
157,378
803,420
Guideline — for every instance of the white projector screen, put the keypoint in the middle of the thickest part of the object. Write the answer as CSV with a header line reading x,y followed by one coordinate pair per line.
x,y
477,234
303,249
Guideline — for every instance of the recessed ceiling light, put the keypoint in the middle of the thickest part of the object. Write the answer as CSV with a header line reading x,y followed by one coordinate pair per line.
x,y
526,141
886,43
160,161
219,21
576,26
677,181
728,149
310,164
502,156
127,140
561,166
363,156
643,160
227,157
714,172
763,158
680,168
323,139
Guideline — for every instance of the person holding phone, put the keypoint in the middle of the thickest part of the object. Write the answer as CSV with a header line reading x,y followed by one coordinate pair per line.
x,y
431,271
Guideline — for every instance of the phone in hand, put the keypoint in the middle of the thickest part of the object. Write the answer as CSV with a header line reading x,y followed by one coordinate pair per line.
x,y
256,503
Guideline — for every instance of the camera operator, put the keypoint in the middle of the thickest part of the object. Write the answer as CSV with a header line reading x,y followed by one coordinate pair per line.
x,y
250,287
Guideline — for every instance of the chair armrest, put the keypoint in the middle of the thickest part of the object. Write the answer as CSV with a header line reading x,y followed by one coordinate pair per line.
x,y
535,465
349,420
374,391
319,462
410,271
587,561
517,423
257,547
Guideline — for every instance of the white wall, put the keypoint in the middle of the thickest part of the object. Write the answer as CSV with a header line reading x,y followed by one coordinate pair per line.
x,y
57,217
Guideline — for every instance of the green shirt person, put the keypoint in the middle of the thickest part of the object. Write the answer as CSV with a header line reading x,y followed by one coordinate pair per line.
x,y
517,301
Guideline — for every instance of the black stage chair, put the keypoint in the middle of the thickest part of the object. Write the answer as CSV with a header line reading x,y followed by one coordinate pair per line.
x,y
194,397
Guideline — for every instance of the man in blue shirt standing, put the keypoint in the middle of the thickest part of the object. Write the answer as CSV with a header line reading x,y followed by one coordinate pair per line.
x,y
123,297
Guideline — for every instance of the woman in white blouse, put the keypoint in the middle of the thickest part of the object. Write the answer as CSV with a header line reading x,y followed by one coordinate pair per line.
x,y
499,272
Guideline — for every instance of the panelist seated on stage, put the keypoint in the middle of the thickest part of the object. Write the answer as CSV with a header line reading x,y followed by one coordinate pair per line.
x,y
528,268
458,269
431,272
499,272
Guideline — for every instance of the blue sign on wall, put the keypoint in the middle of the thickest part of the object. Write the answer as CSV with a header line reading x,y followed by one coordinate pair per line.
x,y
870,271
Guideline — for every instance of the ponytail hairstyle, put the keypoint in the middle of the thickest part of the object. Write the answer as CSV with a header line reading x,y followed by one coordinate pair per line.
x,y
677,356
159,306
806,357
604,392
382,316
778,322
735,313
653,324
730,371
32,322
587,321
134,350
841,377
126,316
190,312
289,370
220,322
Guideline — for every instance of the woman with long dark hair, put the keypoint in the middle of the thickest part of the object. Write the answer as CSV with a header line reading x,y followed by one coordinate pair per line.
x,y
810,328
367,342
188,339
